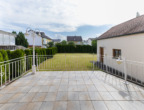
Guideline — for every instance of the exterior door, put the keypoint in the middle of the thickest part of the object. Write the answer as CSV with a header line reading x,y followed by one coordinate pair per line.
x,y
101,54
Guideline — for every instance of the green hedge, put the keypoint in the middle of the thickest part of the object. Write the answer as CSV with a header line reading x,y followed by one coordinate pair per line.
x,y
76,49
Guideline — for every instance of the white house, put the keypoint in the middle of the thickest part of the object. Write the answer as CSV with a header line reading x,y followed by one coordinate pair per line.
x,y
7,38
38,39
125,42
89,41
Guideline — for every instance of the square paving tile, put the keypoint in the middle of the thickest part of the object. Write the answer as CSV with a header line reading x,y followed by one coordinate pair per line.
x,y
86,105
73,105
51,96
34,106
61,105
73,96
47,106
39,97
62,96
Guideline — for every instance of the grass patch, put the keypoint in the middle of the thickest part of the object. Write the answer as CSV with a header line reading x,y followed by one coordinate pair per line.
x,y
69,62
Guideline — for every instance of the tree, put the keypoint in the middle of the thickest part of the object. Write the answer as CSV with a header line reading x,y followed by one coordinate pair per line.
x,y
71,43
94,43
20,39
63,42
51,44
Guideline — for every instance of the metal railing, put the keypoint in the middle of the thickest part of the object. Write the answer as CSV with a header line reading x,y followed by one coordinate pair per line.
x,y
128,70
13,69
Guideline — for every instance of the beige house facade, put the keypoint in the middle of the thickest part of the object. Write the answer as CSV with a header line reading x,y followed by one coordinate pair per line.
x,y
124,43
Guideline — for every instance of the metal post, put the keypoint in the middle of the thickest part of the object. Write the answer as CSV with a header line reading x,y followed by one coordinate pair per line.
x,y
5,74
33,67
1,75
65,61
125,71
93,62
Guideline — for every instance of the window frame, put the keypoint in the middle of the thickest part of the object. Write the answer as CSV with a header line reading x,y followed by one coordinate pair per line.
x,y
116,55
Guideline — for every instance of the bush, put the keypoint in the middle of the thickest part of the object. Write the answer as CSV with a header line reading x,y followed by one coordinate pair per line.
x,y
76,49
9,54
18,66
2,68
28,59
5,58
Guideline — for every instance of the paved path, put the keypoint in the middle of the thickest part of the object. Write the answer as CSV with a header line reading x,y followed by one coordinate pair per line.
x,y
71,90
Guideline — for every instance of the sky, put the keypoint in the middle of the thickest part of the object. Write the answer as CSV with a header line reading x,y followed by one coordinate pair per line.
x,y
61,18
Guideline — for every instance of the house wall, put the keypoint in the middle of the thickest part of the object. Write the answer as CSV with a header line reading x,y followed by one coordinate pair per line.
x,y
7,39
89,42
38,39
132,49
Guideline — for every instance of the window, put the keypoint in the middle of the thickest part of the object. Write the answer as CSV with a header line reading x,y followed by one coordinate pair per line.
x,y
116,53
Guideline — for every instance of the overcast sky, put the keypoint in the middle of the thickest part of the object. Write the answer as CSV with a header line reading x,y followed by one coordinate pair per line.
x,y
59,18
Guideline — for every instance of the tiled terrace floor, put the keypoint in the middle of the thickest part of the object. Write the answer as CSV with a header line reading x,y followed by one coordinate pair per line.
x,y
75,90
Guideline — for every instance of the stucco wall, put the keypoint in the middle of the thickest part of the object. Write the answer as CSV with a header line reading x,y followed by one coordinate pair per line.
x,y
132,49
38,39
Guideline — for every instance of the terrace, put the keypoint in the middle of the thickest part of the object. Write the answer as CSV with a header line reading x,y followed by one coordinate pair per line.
x,y
71,90
63,82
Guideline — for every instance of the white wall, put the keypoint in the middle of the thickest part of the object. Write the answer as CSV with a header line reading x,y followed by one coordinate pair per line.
x,y
89,42
7,39
132,49
38,39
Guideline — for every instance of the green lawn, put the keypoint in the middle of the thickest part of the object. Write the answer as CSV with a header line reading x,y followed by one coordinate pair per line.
x,y
69,62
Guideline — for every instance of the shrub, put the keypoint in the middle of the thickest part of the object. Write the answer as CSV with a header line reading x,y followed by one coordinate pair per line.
x,y
9,54
2,68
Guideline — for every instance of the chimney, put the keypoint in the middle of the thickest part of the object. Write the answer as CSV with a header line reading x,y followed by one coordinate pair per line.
x,y
137,14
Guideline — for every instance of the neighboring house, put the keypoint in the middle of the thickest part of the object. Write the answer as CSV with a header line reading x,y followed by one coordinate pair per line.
x,y
85,42
45,40
76,39
7,40
89,41
56,41
125,40
38,39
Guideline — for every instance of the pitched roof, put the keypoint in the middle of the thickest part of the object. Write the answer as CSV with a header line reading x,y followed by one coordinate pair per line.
x,y
43,35
56,40
132,26
74,38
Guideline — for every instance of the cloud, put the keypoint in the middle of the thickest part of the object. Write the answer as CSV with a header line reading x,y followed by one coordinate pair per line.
x,y
66,15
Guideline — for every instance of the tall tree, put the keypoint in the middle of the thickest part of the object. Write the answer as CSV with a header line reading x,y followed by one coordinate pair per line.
x,y
94,43
63,42
71,43
50,44
20,39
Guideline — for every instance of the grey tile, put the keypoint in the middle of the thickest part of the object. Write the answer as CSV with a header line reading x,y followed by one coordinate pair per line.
x,y
28,97
6,97
106,96
99,105
62,96
86,105
16,97
91,88
72,88
73,105
84,96
8,106
47,106
34,106
81,88
61,105
20,106
39,97
44,89
95,96
35,89
63,88
51,96
113,105
53,88
73,95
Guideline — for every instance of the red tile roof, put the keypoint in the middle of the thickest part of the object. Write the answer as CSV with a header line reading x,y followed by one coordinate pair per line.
x,y
132,26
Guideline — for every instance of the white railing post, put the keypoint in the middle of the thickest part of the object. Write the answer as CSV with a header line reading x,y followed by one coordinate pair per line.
x,y
5,74
125,71
93,62
1,75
